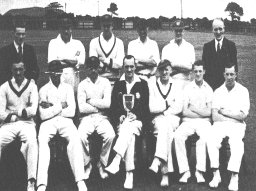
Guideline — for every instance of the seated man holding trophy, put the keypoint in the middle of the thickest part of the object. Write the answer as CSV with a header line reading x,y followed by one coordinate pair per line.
x,y
129,113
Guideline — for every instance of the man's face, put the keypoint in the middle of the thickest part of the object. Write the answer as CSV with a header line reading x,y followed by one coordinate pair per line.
x,y
129,68
178,33
18,70
93,72
107,28
55,77
143,34
165,73
66,33
218,29
199,73
230,76
19,35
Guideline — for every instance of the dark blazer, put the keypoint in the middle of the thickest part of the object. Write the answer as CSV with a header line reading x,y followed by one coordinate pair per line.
x,y
141,105
215,62
8,55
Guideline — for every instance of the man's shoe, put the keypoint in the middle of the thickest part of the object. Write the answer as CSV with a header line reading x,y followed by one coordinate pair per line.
x,y
103,174
165,181
185,177
233,185
41,188
128,184
199,177
31,186
216,179
113,168
88,170
155,165
81,186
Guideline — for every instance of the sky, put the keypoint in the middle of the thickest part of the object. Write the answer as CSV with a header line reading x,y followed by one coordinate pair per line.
x,y
142,8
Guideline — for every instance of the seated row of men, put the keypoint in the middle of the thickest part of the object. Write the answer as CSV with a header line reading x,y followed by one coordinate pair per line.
x,y
159,101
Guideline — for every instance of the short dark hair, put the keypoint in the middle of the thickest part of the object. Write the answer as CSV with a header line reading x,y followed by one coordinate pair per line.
x,y
92,62
142,24
129,57
199,63
19,23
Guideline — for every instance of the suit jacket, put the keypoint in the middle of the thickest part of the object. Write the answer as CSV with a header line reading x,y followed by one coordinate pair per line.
x,y
8,55
215,62
141,105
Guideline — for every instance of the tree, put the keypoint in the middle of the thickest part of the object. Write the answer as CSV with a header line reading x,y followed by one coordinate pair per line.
x,y
112,9
235,11
54,7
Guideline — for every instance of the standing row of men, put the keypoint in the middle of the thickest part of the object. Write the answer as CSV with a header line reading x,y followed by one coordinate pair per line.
x,y
163,99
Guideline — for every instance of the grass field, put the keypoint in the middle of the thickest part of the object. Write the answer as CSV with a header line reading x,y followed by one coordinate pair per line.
x,y
246,47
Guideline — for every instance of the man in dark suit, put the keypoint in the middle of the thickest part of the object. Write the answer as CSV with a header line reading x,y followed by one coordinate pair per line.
x,y
18,51
217,54
128,123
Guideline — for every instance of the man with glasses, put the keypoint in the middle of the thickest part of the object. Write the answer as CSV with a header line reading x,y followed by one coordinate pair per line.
x,y
145,51
180,53
108,48
57,108
197,101
217,54
230,107
129,124
18,50
94,97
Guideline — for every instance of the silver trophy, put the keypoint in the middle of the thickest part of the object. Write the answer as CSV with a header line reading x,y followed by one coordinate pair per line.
x,y
128,102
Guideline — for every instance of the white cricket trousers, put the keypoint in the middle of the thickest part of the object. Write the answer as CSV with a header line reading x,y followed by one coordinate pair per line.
x,y
66,129
202,128
164,127
26,132
102,126
125,143
235,132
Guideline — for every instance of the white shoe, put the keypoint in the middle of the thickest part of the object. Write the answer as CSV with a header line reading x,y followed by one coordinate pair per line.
x,y
31,186
233,185
41,188
199,177
103,174
81,186
155,165
216,179
113,168
185,177
165,181
128,184
87,171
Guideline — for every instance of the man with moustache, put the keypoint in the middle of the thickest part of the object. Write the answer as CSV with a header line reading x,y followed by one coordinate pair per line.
x,y
217,54
128,124
18,50
230,107
197,101
145,51
108,48
180,53
165,103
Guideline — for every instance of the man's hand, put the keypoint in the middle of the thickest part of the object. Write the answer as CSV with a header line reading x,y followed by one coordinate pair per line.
x,y
14,118
70,63
45,104
122,118
64,104
131,116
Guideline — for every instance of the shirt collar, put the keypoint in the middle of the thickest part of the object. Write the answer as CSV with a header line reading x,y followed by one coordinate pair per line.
x,y
220,41
103,39
90,81
135,79
170,81
60,39
195,85
22,84
147,39
182,42
17,46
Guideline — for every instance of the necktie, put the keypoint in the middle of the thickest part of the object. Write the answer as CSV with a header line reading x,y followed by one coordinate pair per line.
x,y
218,47
20,52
